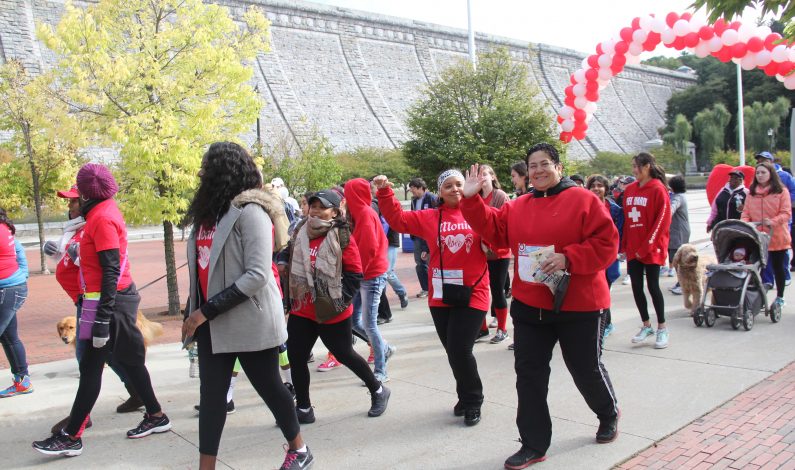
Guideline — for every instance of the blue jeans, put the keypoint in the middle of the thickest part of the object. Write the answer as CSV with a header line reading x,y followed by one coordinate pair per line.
x,y
365,318
421,265
80,348
391,277
11,300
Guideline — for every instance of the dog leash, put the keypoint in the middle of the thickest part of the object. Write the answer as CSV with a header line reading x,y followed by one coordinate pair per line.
x,y
161,277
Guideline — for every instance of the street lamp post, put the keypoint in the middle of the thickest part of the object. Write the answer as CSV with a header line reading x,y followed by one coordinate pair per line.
x,y
771,135
259,135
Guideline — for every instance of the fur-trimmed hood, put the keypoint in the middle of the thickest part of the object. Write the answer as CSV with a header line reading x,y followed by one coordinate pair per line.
x,y
274,207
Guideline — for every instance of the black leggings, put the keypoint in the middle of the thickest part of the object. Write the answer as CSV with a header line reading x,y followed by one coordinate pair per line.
x,y
302,334
457,328
498,272
636,271
92,363
779,261
215,373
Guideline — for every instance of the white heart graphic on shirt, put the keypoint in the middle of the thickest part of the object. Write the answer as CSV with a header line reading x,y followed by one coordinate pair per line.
x,y
455,242
204,257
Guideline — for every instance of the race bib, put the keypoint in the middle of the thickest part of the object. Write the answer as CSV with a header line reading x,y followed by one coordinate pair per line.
x,y
530,258
451,276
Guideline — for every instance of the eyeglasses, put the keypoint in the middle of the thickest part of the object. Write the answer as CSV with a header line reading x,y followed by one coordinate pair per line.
x,y
545,165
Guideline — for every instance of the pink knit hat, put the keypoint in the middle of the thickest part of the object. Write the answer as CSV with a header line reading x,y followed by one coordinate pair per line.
x,y
95,181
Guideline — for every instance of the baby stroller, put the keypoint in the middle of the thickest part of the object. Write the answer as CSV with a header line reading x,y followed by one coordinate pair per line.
x,y
736,287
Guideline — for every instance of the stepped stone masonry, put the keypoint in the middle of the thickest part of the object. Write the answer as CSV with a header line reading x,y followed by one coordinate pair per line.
x,y
352,75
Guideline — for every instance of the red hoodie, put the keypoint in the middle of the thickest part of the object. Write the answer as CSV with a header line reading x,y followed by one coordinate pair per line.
x,y
463,256
367,230
647,221
571,219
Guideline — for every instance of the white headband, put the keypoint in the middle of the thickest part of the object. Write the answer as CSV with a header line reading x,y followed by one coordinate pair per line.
x,y
447,174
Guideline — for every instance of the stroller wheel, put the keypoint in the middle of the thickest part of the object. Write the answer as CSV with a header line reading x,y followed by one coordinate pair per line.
x,y
698,316
748,320
737,320
709,317
775,313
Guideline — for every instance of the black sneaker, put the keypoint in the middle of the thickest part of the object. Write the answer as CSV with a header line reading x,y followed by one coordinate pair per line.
x,y
290,389
482,334
295,460
60,444
149,425
524,458
471,416
458,409
510,347
404,301
608,430
230,407
57,427
305,417
378,402
311,358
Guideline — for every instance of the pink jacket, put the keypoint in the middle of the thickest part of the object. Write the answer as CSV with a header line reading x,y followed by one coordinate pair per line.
x,y
777,208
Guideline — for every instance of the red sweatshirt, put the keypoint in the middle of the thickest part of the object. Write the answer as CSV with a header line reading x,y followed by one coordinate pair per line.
x,y
647,221
464,260
574,221
367,230
499,253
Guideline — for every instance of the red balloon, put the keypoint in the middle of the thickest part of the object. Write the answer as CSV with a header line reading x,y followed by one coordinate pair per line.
x,y
594,95
591,74
671,18
771,69
735,25
619,60
560,120
565,137
679,43
593,61
720,26
572,80
636,23
785,68
599,50
579,115
626,34
692,39
569,101
657,37
652,41
686,16
706,33
622,47
569,91
591,86
739,50
578,134
772,40
755,44
616,69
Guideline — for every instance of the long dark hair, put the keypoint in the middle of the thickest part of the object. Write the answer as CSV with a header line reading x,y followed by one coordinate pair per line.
x,y
775,180
655,170
5,220
227,170
495,183
521,169
601,179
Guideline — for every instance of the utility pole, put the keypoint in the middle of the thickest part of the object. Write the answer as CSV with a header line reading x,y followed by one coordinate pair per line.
x,y
740,120
259,135
472,55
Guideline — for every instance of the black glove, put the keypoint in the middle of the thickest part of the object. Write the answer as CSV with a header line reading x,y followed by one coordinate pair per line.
x,y
50,248
100,333
73,252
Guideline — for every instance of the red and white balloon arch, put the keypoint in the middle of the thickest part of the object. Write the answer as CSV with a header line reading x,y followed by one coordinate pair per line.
x,y
748,45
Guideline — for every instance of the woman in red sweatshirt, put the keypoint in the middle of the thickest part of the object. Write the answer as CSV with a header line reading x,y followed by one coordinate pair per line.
x,y
575,224
455,258
647,219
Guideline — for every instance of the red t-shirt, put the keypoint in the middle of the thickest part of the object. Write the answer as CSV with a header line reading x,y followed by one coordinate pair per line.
x,y
500,253
647,221
350,263
8,253
204,243
104,230
67,273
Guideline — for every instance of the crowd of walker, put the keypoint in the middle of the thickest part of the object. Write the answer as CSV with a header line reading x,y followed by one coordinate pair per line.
x,y
269,276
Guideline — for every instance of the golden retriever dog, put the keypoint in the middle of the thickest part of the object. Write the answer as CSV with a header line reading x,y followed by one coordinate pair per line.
x,y
691,269
150,330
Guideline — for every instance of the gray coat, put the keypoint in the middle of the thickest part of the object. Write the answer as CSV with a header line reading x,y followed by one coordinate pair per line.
x,y
680,222
241,253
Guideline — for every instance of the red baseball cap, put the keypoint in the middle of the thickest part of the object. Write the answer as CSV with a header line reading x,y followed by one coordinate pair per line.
x,y
70,193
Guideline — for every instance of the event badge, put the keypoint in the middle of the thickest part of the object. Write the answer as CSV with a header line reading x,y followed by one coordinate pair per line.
x,y
451,276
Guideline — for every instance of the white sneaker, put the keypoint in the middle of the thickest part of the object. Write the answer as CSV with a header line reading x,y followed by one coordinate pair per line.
x,y
645,332
626,280
671,272
493,323
662,339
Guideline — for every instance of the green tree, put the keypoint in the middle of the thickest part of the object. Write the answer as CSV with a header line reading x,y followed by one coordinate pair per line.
x,y
609,164
710,126
311,168
489,115
729,157
370,161
671,159
671,63
681,134
45,139
761,119
161,79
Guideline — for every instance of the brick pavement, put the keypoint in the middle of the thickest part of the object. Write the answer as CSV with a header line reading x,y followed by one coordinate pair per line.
x,y
754,430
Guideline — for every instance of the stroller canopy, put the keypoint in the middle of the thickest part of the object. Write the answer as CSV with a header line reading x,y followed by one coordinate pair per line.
x,y
727,233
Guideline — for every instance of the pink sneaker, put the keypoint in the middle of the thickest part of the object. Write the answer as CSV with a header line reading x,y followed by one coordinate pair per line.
x,y
371,357
331,363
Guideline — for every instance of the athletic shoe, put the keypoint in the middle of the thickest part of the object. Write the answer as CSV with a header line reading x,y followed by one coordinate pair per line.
x,y
390,351
295,460
378,402
60,444
371,357
768,286
625,281
609,329
510,347
382,320
290,389
482,334
471,416
498,338
662,339
422,294
780,302
788,282
20,386
305,417
230,408
458,409
311,357
645,332
57,427
608,429
404,301
383,378
330,364
524,458
676,290
149,425
493,323
671,272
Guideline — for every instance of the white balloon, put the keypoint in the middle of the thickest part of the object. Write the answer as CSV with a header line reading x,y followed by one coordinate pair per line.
x,y
681,27
715,44
763,31
701,50
590,108
780,78
585,64
748,62
567,125
580,102
696,23
633,59
579,76
602,82
605,74
789,82
729,37
608,47
745,32
658,25
639,36
668,36
645,23
736,60
635,49
605,60
763,58
566,112
780,53
579,90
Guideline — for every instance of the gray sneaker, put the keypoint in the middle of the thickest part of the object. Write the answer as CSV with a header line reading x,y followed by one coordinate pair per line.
x,y
501,336
390,351
645,332
662,339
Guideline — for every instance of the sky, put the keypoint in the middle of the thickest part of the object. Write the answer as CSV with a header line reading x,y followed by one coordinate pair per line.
x,y
574,24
